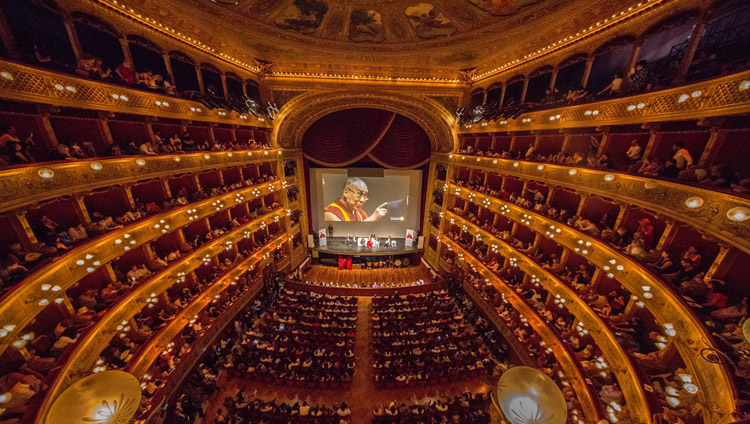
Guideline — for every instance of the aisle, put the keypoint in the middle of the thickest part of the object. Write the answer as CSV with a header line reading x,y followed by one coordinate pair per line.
x,y
362,397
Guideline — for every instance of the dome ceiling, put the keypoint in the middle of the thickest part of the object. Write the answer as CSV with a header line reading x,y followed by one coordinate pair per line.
x,y
432,38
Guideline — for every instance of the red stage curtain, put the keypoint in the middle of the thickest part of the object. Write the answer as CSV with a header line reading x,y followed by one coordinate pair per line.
x,y
343,137
404,145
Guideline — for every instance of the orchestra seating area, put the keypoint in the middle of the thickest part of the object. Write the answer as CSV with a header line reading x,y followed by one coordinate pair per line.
x,y
305,339
422,339
581,191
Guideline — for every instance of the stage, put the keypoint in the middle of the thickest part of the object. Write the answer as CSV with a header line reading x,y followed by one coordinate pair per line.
x,y
338,246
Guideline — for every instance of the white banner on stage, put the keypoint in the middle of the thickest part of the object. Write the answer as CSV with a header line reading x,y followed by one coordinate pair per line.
x,y
322,237
410,234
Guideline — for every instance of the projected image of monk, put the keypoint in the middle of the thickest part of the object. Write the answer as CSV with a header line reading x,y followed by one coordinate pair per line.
x,y
350,206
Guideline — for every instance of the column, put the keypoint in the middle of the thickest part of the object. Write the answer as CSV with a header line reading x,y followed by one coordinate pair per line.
x,y
633,58
653,139
587,71
128,58
129,195
43,122
692,47
666,236
22,228
604,144
6,35
525,89
74,41
168,65
103,124
224,85
553,80
200,79
81,210
714,143
722,261
502,95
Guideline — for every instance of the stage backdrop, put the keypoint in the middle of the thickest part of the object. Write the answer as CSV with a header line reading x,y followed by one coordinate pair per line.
x,y
392,195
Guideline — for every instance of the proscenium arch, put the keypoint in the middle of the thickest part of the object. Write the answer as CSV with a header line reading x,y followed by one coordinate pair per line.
x,y
301,112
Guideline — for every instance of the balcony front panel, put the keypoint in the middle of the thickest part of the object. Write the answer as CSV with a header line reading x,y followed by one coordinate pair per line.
x,y
663,197
20,306
90,345
28,84
25,185
664,304
619,361
716,97
586,393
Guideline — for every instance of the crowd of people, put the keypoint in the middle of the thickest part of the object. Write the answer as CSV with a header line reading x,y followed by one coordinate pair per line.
x,y
18,150
680,166
422,338
464,408
305,339
631,331
54,239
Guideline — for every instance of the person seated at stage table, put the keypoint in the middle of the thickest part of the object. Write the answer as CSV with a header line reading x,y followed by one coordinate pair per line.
x,y
349,206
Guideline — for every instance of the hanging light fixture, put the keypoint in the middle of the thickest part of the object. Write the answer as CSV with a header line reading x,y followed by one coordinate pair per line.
x,y
528,396
109,397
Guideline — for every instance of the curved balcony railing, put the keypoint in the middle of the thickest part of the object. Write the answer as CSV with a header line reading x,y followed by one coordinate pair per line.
x,y
28,184
86,352
722,215
19,306
620,363
28,84
188,362
587,395
151,350
668,307
493,317
715,97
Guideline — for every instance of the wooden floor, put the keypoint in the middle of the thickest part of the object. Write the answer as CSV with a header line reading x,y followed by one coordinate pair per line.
x,y
386,277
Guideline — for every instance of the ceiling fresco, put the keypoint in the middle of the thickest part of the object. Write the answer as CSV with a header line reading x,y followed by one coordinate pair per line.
x,y
431,38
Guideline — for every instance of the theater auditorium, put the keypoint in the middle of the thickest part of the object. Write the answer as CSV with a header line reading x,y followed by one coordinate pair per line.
x,y
374,211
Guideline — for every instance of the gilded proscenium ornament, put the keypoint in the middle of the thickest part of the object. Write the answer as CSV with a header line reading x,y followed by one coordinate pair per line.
x,y
147,354
28,84
26,185
302,111
660,196
620,363
22,305
586,393
86,352
663,303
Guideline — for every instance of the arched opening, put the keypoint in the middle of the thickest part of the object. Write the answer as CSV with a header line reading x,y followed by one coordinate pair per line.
x,y
725,42
185,74
253,90
98,39
539,81
212,80
477,98
514,91
609,59
570,73
664,44
39,32
147,56
494,93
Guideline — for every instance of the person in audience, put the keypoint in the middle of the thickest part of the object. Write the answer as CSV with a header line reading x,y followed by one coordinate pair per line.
x,y
638,78
125,73
682,158
613,89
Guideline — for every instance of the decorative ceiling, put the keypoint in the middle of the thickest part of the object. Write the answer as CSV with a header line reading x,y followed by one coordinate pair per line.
x,y
419,38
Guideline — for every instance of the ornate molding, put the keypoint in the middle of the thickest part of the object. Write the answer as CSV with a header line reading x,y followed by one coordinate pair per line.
x,y
302,111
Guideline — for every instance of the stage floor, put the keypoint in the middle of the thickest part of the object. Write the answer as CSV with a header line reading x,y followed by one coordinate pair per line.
x,y
338,246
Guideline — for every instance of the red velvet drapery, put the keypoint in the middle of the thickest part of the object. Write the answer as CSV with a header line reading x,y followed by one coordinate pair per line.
x,y
345,137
